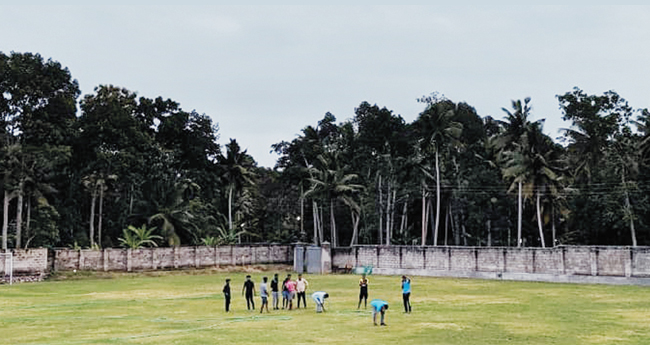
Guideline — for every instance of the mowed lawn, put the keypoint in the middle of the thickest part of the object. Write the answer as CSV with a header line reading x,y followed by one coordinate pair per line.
x,y
182,308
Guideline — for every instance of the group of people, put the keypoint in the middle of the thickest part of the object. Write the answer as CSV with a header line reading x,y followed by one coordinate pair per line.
x,y
292,288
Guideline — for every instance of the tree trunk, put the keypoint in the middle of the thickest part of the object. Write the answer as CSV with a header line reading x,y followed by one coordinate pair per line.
x,y
553,224
539,219
302,213
447,222
388,213
404,221
131,200
424,214
101,215
355,227
314,210
5,218
230,207
629,212
19,217
489,232
28,222
392,217
437,220
519,215
381,212
332,223
92,215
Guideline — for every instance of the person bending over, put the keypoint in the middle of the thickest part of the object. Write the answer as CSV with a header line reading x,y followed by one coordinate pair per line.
x,y
378,307
319,299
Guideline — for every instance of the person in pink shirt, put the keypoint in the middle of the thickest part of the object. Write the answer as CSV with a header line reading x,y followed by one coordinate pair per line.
x,y
291,287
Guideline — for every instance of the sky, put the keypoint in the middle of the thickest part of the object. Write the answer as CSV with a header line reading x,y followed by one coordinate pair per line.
x,y
263,73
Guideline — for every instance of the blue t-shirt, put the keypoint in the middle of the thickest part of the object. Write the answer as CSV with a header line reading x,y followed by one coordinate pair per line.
x,y
406,286
377,304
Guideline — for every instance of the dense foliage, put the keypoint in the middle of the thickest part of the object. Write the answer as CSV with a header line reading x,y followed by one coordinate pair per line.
x,y
89,175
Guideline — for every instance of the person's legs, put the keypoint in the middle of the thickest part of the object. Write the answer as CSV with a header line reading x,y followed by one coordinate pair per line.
x,y
227,304
374,316
275,300
382,318
407,302
304,300
250,302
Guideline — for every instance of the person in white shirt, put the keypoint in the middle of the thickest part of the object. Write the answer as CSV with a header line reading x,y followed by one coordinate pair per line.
x,y
264,293
301,287
319,298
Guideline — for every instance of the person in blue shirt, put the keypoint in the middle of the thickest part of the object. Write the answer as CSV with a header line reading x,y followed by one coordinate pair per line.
x,y
406,293
378,307
319,298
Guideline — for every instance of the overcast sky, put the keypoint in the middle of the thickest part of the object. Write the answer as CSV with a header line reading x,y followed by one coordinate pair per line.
x,y
265,72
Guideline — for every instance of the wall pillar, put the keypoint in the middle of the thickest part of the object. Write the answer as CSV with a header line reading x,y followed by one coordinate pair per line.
x,y
593,260
326,258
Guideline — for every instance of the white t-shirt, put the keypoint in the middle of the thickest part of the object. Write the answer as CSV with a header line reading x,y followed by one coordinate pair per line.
x,y
264,291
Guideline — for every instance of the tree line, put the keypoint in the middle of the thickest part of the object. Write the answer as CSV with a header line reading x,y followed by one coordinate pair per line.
x,y
114,169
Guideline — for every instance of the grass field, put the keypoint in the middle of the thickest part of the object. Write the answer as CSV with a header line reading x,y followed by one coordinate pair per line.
x,y
187,308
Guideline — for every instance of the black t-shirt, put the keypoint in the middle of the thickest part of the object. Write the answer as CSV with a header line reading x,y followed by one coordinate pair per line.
x,y
249,286
226,290
274,285
284,286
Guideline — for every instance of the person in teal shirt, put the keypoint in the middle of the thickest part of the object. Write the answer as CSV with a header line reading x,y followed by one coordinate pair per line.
x,y
406,293
378,307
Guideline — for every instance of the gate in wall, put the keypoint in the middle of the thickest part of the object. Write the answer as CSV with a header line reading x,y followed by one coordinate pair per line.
x,y
307,259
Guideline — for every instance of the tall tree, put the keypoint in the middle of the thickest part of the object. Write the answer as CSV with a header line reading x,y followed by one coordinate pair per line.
x,y
440,131
237,172
515,126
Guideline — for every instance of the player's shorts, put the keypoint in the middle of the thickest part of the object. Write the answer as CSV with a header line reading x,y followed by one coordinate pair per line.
x,y
363,293
264,300
285,294
292,295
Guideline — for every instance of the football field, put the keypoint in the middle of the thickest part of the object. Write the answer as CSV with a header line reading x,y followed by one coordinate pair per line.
x,y
188,308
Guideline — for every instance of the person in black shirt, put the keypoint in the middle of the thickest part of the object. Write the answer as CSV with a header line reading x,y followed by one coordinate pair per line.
x,y
274,291
226,294
249,286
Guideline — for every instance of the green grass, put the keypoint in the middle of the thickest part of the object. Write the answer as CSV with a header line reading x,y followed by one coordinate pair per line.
x,y
181,308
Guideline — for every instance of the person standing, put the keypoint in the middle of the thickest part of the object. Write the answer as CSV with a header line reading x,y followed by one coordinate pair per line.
x,y
363,291
319,299
378,307
406,293
274,291
249,288
301,288
264,294
226,294
291,288
285,292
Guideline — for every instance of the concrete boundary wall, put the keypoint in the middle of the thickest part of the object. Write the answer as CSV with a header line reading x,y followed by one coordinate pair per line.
x,y
574,264
41,261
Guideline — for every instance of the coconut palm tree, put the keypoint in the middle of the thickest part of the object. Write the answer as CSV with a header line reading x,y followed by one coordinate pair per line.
x,y
330,182
534,167
515,125
173,211
236,167
441,132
